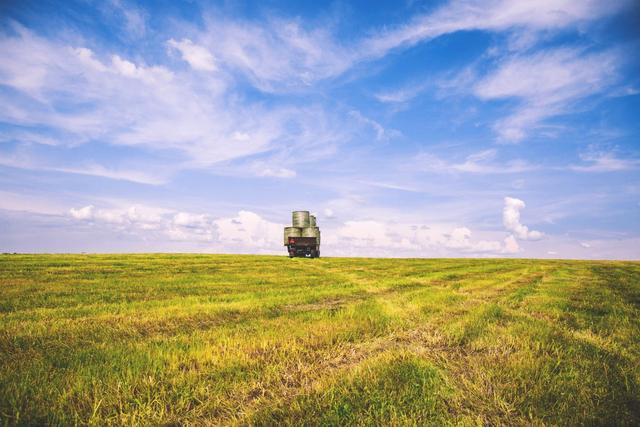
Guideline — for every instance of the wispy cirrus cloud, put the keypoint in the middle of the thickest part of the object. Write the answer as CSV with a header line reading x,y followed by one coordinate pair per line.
x,y
546,83
198,57
25,159
280,54
493,15
285,54
596,160
483,162
382,133
57,89
401,95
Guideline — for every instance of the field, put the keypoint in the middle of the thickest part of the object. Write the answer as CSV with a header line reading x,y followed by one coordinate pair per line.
x,y
263,340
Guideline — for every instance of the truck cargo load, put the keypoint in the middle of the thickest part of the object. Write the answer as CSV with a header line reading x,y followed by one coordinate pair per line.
x,y
303,238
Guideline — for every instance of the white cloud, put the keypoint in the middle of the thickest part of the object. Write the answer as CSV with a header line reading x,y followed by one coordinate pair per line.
x,y
24,161
511,220
286,54
605,161
186,219
85,213
460,239
492,15
146,221
116,100
482,162
277,173
277,55
511,245
403,239
402,95
134,18
382,134
391,186
127,102
249,232
197,56
135,216
546,83
245,232
249,229
271,169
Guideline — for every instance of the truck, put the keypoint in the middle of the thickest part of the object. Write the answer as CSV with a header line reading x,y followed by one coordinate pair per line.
x,y
307,247
302,239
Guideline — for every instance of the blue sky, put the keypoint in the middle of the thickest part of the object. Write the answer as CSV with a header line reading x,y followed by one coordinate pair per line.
x,y
447,128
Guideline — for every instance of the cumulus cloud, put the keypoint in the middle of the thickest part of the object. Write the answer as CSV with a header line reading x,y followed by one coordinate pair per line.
x,y
250,229
250,232
511,220
186,219
143,219
460,238
245,232
510,245
402,239
84,213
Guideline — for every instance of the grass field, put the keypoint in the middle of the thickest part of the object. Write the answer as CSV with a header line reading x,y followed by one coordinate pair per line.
x,y
259,340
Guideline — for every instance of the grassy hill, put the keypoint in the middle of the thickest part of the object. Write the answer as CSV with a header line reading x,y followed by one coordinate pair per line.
x,y
217,339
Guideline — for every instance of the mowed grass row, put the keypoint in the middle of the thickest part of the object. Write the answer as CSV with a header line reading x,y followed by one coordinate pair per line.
x,y
256,340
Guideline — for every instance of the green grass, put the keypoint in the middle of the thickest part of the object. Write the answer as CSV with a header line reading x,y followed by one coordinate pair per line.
x,y
256,340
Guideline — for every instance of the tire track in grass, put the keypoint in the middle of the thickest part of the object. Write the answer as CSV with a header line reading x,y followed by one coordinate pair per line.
x,y
427,343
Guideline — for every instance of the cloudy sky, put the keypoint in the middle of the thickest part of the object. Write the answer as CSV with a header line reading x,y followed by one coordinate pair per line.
x,y
411,128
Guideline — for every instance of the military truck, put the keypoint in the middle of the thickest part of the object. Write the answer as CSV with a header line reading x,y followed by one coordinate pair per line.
x,y
303,238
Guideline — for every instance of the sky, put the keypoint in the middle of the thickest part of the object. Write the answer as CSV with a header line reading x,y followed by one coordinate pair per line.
x,y
465,128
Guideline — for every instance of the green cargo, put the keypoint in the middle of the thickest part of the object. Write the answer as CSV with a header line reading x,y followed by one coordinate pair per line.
x,y
300,219
291,232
